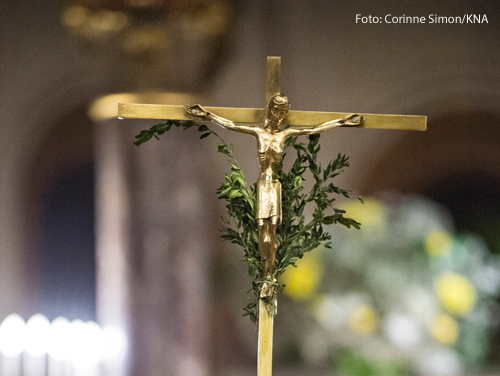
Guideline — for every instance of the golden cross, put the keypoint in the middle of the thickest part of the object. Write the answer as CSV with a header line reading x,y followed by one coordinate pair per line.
x,y
258,115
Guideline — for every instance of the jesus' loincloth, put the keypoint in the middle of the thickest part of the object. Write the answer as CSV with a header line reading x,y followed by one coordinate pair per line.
x,y
268,199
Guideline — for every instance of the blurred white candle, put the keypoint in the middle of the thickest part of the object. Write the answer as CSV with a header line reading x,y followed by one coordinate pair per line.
x,y
12,342
87,348
36,345
58,349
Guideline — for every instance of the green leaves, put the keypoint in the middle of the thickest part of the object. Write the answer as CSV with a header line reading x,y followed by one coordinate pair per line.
x,y
240,226
296,236
164,126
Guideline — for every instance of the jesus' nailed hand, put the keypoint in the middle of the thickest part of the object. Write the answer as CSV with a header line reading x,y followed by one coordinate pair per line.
x,y
270,147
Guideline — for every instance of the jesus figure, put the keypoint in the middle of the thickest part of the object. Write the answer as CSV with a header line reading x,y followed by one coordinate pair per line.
x,y
270,147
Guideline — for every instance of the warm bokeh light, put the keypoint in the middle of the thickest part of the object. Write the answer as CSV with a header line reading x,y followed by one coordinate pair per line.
x,y
371,213
303,281
438,243
445,329
456,293
363,319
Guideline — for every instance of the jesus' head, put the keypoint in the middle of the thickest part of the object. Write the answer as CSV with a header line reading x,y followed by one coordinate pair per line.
x,y
277,110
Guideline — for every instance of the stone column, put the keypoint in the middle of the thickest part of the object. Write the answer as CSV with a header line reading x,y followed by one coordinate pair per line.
x,y
155,237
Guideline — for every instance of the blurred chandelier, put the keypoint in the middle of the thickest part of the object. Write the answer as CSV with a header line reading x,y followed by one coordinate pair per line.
x,y
145,45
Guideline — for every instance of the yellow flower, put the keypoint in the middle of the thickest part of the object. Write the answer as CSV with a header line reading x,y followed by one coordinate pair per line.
x,y
438,243
445,329
363,319
370,214
303,281
455,292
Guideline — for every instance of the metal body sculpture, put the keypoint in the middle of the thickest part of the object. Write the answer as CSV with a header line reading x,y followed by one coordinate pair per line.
x,y
270,147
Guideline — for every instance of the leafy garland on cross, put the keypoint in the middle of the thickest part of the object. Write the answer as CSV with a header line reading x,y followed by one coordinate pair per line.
x,y
296,234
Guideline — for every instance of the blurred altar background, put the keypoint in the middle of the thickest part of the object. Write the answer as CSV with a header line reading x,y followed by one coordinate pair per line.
x,y
122,242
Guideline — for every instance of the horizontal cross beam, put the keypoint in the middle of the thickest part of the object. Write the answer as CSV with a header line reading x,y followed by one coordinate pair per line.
x,y
256,115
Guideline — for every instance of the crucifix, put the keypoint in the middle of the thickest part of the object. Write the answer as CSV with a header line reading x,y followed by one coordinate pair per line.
x,y
270,146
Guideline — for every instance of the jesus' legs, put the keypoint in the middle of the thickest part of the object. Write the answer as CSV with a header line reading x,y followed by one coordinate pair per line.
x,y
268,247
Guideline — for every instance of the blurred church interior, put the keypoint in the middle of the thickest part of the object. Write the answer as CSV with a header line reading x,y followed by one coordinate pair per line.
x,y
93,228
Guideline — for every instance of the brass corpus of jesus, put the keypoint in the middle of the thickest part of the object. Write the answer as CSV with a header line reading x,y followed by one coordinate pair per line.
x,y
270,147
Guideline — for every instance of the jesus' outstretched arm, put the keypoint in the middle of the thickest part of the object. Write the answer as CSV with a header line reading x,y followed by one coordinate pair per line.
x,y
348,121
199,111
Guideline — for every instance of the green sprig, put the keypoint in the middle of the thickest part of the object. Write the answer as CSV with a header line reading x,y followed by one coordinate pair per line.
x,y
296,236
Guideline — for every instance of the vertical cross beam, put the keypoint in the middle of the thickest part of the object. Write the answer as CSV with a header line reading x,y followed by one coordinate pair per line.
x,y
273,77
265,343
266,318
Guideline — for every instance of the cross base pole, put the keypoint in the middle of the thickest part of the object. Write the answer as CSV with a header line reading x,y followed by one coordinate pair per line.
x,y
265,351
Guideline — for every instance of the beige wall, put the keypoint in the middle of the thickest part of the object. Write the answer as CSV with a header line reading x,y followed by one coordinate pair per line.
x,y
41,81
